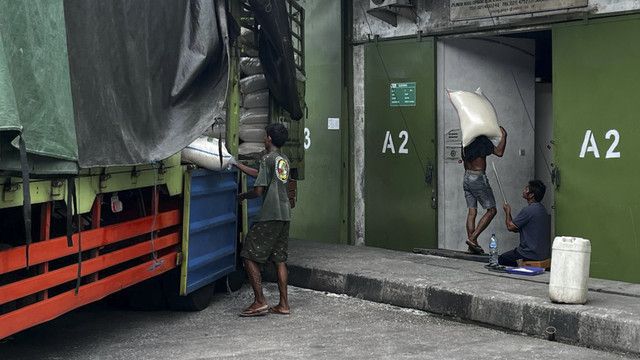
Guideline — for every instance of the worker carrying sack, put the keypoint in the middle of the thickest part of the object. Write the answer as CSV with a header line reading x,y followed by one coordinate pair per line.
x,y
477,116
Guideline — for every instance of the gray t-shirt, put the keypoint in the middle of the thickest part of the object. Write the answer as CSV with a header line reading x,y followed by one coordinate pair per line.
x,y
273,174
533,223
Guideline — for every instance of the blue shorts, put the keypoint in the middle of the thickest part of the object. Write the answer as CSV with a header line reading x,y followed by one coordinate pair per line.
x,y
477,189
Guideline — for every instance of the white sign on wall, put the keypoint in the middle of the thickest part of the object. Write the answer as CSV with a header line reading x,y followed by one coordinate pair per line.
x,y
333,124
453,146
478,9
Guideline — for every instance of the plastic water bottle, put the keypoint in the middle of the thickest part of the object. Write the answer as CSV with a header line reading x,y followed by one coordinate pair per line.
x,y
493,251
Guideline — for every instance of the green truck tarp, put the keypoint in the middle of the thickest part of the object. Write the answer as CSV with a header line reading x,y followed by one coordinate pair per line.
x,y
276,53
94,83
35,92
157,76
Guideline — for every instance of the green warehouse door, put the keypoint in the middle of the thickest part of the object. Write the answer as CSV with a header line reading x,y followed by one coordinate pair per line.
x,y
400,184
319,212
596,88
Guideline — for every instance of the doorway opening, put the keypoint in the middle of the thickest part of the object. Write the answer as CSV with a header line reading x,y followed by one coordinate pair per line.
x,y
514,71
543,120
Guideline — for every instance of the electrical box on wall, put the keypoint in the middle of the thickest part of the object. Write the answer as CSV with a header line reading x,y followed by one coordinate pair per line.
x,y
382,3
389,10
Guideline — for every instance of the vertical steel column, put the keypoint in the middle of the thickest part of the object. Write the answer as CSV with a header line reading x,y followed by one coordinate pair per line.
x,y
96,214
45,233
233,96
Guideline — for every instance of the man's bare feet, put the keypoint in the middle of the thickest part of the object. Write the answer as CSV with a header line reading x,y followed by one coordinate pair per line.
x,y
475,247
255,310
280,310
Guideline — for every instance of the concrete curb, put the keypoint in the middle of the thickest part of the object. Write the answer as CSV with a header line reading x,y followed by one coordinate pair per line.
x,y
465,290
583,324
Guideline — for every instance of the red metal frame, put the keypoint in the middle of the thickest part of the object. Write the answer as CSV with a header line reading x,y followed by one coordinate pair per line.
x,y
14,259
46,306
49,309
48,280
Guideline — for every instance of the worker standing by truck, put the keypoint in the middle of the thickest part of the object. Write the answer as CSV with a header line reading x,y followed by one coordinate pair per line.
x,y
268,237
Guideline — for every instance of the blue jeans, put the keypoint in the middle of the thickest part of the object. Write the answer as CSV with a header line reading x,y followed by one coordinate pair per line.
x,y
510,258
477,189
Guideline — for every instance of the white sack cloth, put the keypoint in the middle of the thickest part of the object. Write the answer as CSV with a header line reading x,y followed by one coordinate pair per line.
x,y
253,83
217,131
256,99
254,116
205,152
250,66
252,132
250,147
477,116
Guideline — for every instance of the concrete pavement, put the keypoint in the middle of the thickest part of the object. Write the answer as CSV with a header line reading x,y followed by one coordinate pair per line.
x,y
322,326
466,290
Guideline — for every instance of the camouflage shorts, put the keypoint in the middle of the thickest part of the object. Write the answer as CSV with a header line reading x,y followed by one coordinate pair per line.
x,y
267,240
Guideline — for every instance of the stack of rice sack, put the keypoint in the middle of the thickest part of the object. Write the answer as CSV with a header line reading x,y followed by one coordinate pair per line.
x,y
209,150
254,104
478,118
254,112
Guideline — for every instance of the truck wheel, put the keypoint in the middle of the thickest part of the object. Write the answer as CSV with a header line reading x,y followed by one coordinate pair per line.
x,y
232,282
145,296
197,300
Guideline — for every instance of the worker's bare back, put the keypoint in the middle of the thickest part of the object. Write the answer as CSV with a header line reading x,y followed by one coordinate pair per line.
x,y
477,164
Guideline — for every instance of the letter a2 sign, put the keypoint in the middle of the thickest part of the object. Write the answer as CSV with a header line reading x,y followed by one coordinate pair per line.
x,y
589,145
388,143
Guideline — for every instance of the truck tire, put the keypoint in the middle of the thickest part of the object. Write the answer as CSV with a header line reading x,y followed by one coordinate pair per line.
x,y
232,282
197,300
145,296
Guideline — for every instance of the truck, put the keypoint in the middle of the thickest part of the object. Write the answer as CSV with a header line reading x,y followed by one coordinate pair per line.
x,y
97,101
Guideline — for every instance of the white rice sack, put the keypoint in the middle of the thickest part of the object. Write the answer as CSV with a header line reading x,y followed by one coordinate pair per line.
x,y
218,130
248,41
250,147
256,99
205,152
300,76
477,116
251,66
253,83
255,116
252,132
249,52
221,116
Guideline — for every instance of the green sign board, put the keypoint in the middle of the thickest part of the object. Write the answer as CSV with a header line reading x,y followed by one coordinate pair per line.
x,y
403,94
